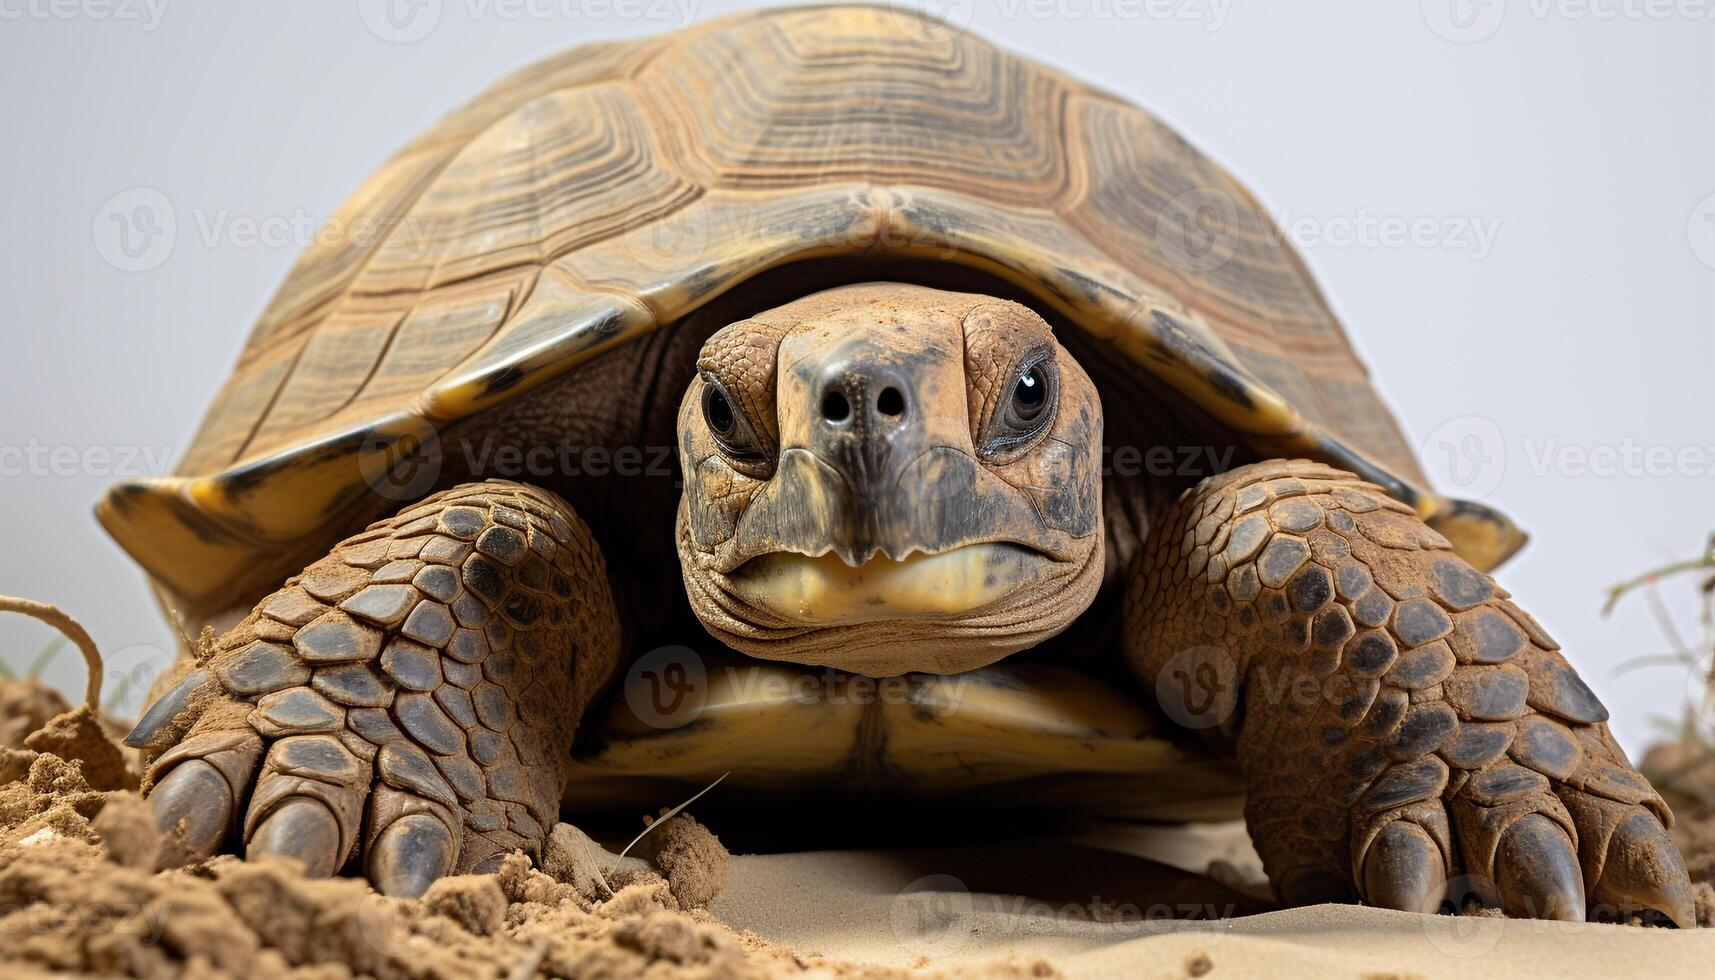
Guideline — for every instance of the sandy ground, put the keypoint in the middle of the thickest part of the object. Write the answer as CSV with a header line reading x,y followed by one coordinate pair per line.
x,y
78,894
876,908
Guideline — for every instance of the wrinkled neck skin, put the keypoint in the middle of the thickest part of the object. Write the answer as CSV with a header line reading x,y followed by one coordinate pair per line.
x,y
887,478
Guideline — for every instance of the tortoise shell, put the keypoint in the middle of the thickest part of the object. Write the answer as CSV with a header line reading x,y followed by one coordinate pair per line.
x,y
611,190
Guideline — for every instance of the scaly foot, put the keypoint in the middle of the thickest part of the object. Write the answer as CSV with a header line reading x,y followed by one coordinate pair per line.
x,y
405,707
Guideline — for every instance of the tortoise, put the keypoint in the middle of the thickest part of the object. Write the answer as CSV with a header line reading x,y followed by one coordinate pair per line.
x,y
898,417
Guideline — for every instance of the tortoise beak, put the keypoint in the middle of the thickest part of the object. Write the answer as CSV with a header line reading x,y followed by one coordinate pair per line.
x,y
877,458
863,431
829,590
864,421
926,501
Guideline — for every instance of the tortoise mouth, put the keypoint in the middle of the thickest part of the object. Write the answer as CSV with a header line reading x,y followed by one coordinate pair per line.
x,y
823,590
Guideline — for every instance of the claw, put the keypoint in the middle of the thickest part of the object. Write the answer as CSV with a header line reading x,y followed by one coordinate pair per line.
x,y
1405,870
166,708
302,829
409,855
193,810
1644,871
1537,871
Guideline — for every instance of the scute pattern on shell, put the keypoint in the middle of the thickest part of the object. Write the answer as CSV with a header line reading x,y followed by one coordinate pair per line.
x,y
612,189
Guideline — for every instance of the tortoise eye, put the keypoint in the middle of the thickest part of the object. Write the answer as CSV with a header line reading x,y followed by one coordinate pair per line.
x,y
735,436
1029,405
717,411
1030,394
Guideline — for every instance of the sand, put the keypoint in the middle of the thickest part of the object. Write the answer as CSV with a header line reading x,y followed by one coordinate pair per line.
x,y
78,894
864,906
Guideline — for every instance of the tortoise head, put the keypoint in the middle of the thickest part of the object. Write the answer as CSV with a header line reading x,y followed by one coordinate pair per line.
x,y
886,478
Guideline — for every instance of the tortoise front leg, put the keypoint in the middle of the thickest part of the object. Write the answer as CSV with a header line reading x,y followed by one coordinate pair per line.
x,y
1398,720
405,706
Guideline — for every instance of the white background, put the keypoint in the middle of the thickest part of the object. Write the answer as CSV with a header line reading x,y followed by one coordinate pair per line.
x,y
1579,134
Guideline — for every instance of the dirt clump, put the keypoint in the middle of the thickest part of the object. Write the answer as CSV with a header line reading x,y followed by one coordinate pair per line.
x,y
26,705
475,902
1703,899
573,858
51,799
79,894
126,826
689,856
1684,773
78,734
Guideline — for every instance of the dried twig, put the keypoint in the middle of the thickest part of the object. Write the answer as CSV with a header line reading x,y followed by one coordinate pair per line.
x,y
670,814
1651,577
55,617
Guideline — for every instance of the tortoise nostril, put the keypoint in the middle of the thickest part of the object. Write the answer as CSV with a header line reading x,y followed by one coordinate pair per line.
x,y
835,408
890,402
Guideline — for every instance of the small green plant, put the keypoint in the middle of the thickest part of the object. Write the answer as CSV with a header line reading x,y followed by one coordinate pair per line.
x,y
126,682
1695,728
39,664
